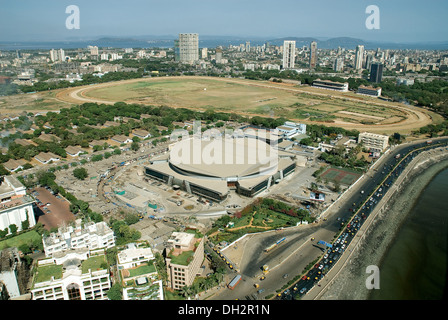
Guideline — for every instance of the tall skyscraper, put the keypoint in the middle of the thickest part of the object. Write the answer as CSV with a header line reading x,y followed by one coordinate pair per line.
x,y
204,53
289,54
218,55
57,55
247,46
313,54
359,58
339,64
369,60
186,48
376,72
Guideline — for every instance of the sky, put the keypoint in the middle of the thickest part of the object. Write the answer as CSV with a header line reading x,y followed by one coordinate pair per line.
x,y
401,21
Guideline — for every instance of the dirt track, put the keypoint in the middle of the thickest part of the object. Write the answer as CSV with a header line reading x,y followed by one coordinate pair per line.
x,y
415,117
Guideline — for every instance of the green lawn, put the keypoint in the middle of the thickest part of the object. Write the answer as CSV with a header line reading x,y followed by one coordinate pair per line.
x,y
44,273
93,263
23,238
183,258
144,269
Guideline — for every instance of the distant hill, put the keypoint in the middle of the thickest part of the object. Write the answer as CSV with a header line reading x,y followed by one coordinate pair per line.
x,y
212,41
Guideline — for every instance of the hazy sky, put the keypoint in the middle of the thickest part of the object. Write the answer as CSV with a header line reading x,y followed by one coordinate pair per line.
x,y
400,20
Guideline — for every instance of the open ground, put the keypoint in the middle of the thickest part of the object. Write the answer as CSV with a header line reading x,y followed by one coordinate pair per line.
x,y
247,97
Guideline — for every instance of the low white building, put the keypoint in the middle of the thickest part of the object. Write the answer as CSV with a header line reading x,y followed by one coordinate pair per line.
x,y
15,206
290,129
373,141
133,256
91,235
77,275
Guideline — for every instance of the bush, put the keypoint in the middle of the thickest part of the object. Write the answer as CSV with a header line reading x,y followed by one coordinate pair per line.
x,y
80,173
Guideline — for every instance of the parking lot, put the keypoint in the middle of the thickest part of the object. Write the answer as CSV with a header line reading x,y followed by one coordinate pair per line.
x,y
50,210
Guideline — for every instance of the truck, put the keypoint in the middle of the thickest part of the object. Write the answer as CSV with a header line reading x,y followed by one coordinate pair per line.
x,y
232,284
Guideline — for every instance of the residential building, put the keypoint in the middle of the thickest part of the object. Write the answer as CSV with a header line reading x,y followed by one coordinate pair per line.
x,y
16,206
359,57
135,262
74,151
93,50
374,142
187,47
57,55
313,54
185,254
338,65
140,133
47,157
14,165
90,235
289,54
121,139
80,274
204,53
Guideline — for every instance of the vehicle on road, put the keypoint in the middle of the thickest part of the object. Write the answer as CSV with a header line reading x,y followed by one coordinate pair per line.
x,y
232,284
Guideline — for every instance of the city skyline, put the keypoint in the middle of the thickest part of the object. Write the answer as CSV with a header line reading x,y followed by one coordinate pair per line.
x,y
400,21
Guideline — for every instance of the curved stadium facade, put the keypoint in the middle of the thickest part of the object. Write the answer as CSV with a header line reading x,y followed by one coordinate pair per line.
x,y
211,168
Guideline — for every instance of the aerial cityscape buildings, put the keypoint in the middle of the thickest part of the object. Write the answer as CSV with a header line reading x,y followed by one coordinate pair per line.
x,y
220,169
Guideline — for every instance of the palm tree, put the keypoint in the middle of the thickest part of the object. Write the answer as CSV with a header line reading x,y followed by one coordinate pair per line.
x,y
185,291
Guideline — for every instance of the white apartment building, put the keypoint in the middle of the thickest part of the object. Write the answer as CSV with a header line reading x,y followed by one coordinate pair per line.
x,y
187,47
81,274
375,142
359,57
15,206
133,256
289,54
91,235
57,55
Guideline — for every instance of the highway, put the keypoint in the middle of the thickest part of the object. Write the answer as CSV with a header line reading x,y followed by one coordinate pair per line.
x,y
354,211
289,259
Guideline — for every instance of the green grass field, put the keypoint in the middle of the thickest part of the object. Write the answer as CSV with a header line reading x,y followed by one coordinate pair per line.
x,y
228,96
23,238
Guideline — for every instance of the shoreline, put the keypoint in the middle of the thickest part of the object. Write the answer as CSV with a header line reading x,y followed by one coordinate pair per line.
x,y
350,283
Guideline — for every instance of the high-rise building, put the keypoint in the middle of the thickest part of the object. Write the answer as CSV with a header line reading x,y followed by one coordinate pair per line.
x,y
376,72
359,57
339,64
313,54
369,60
57,55
247,46
204,53
185,253
93,50
218,55
289,54
186,48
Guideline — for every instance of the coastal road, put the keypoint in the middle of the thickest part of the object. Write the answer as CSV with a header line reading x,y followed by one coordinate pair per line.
x,y
291,257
